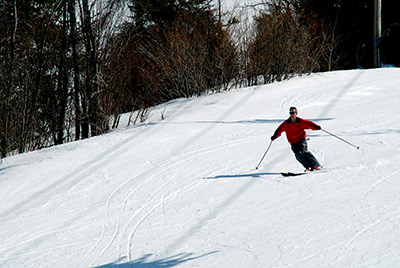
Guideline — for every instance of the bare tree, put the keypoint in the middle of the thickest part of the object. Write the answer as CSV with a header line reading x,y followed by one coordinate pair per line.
x,y
287,42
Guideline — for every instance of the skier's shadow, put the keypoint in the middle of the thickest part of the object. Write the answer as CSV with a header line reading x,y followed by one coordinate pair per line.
x,y
248,175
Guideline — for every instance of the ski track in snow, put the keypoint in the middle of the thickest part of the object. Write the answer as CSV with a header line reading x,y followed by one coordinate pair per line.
x,y
149,207
172,162
184,192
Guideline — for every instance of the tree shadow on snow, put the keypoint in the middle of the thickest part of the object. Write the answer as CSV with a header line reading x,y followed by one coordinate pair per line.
x,y
161,263
2,167
255,121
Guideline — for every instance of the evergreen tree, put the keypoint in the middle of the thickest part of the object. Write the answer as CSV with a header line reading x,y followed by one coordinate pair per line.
x,y
163,12
389,46
351,21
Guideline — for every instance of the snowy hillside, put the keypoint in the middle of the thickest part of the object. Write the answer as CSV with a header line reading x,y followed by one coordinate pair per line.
x,y
184,192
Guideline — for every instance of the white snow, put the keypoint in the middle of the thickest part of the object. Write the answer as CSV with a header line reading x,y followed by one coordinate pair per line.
x,y
184,192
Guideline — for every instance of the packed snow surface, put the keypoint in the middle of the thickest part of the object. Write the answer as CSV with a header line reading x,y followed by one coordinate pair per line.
x,y
184,191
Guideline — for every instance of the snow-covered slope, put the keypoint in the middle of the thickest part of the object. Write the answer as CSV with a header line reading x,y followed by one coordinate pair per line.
x,y
184,192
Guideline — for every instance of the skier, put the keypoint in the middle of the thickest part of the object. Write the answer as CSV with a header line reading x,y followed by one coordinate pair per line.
x,y
295,133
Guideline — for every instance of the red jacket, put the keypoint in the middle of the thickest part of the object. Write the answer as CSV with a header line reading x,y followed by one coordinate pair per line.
x,y
295,132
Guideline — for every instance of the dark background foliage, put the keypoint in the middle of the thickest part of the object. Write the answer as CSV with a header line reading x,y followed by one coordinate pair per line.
x,y
68,70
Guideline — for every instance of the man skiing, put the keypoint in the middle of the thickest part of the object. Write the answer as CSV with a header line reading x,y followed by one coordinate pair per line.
x,y
296,135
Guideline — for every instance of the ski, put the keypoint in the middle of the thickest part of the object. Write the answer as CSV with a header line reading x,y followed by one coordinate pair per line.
x,y
288,174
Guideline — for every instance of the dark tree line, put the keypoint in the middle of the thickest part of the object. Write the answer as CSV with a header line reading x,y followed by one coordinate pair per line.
x,y
48,74
69,68
166,55
390,32
352,22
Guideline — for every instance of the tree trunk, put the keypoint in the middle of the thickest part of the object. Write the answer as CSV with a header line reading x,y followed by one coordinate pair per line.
x,y
76,70
62,84
91,85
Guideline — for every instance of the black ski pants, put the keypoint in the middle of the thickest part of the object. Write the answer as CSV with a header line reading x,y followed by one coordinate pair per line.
x,y
305,157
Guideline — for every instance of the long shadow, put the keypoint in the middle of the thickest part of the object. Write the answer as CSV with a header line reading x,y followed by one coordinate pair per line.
x,y
144,261
375,132
234,176
7,167
341,93
255,121
359,133
83,170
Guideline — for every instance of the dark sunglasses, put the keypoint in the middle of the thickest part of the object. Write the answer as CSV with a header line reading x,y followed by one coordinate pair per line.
x,y
292,112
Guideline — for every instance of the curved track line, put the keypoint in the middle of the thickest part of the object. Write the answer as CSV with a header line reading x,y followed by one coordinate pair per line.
x,y
184,157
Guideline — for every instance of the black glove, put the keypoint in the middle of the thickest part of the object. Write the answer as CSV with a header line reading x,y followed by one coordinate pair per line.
x,y
273,137
318,127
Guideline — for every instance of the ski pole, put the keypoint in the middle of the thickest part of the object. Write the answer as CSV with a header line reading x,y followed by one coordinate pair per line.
x,y
358,147
264,154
